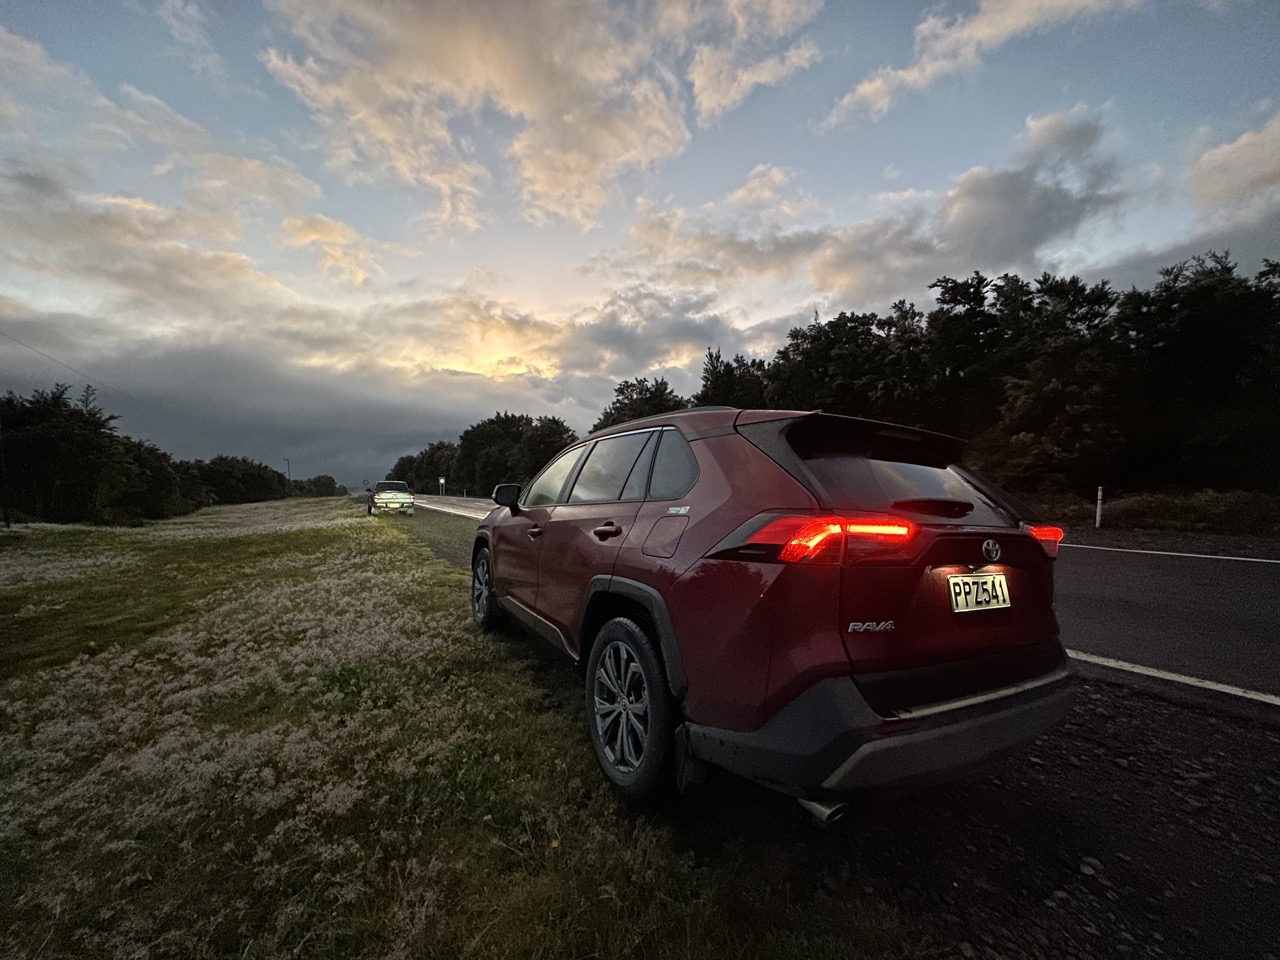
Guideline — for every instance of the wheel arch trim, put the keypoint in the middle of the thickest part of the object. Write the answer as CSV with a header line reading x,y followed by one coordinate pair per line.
x,y
656,607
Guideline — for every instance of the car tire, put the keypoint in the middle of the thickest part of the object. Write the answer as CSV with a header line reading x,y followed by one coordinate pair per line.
x,y
484,602
630,711
369,508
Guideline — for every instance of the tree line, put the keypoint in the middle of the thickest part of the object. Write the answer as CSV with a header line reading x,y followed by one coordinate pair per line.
x,y
64,461
504,448
1059,385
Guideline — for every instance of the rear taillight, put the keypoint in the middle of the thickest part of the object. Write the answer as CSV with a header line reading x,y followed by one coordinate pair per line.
x,y
1048,536
806,538
802,539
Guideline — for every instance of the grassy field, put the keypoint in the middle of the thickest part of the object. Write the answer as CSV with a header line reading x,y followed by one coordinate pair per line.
x,y
271,730
1204,511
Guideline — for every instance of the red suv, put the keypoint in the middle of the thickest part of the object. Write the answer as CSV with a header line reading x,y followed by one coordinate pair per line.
x,y
819,603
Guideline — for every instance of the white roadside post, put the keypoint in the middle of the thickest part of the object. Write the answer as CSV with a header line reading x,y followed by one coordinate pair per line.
x,y
1097,518
441,479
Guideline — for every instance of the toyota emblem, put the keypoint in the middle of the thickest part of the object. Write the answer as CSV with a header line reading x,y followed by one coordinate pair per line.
x,y
991,550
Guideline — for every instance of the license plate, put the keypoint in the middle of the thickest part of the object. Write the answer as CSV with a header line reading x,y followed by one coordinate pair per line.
x,y
978,591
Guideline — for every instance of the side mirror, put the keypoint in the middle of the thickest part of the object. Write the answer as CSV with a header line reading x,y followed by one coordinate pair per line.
x,y
507,495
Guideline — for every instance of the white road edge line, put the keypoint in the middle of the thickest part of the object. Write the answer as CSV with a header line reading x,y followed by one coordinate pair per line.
x,y
449,508
1166,553
1177,678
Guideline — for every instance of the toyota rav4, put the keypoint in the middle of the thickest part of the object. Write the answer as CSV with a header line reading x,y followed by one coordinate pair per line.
x,y
819,603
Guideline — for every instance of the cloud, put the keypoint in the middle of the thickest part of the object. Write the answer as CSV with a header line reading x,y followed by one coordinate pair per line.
x,y
57,114
344,251
948,45
214,178
721,80
1241,174
645,330
579,94
186,22
762,185
392,93
568,164
168,264
1059,179
737,59
198,400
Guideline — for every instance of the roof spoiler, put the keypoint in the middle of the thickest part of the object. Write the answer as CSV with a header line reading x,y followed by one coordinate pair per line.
x,y
809,432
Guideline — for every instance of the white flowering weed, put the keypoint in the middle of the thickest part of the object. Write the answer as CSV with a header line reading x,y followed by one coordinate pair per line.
x,y
287,738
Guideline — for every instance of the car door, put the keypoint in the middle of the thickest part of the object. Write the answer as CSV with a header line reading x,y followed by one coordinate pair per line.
x,y
582,538
517,539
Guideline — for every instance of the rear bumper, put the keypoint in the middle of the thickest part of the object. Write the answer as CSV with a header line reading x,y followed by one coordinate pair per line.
x,y
828,742
393,508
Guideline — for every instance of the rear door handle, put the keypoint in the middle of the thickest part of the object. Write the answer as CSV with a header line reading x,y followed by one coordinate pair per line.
x,y
535,532
605,531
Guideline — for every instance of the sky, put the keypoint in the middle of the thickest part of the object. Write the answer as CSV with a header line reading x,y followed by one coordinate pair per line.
x,y
335,231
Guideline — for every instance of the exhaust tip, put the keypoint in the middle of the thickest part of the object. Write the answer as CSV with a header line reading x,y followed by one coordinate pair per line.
x,y
822,812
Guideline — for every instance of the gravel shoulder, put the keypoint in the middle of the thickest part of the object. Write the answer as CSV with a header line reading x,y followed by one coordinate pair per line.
x,y
1139,828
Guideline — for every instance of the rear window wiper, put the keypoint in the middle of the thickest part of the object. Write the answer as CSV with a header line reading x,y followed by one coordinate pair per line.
x,y
936,507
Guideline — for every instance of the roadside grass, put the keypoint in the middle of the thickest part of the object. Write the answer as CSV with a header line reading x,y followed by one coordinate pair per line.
x,y
272,730
1204,511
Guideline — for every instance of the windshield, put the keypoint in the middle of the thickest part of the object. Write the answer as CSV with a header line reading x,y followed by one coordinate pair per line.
x,y
397,486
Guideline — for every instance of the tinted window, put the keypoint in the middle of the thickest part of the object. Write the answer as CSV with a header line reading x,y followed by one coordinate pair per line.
x,y
607,468
674,469
546,489
398,485
639,479
906,482
855,481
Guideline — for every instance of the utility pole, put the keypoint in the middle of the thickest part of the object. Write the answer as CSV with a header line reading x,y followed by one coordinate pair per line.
x,y
288,470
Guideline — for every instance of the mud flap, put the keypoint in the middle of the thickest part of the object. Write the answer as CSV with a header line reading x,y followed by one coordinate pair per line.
x,y
690,771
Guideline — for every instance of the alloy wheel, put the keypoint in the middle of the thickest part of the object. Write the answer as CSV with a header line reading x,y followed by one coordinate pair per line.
x,y
621,708
480,588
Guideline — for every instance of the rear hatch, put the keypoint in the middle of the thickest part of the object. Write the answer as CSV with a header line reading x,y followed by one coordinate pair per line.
x,y
388,495
959,599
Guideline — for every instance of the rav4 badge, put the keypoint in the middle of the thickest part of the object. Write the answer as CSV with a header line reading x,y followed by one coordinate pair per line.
x,y
871,626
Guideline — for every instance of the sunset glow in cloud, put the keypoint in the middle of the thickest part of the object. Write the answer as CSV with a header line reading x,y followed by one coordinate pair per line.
x,y
336,230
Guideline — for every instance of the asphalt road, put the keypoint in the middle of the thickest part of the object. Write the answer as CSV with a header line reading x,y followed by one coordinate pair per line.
x,y
1210,618
462,506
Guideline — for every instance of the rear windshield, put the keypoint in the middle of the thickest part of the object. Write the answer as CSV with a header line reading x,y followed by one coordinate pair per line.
x,y
861,469
399,486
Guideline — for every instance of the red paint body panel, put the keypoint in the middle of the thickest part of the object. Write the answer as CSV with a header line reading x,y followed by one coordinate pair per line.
x,y
516,553
716,505
911,590
579,555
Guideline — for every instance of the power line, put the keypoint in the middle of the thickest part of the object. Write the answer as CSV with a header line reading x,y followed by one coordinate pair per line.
x,y
93,381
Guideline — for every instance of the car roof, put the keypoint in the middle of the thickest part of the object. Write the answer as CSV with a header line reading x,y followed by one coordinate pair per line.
x,y
698,422
694,422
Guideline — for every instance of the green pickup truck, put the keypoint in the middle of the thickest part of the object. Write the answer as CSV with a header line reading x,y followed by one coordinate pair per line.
x,y
391,496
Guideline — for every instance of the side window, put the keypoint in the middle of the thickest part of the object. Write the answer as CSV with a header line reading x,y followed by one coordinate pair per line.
x,y
607,468
674,470
633,489
546,489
